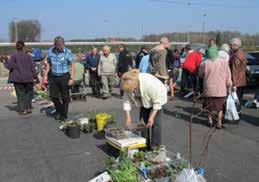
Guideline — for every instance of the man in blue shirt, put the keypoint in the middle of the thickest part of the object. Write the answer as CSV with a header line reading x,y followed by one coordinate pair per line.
x,y
92,62
60,69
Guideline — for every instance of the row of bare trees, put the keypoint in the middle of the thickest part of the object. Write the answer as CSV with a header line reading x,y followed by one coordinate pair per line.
x,y
199,37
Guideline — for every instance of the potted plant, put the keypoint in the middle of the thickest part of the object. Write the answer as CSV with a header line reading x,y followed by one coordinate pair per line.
x,y
71,128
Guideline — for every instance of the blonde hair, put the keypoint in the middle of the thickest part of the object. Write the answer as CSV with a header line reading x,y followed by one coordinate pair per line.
x,y
129,80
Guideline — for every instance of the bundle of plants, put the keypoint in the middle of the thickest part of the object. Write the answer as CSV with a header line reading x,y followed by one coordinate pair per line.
x,y
42,94
122,169
160,172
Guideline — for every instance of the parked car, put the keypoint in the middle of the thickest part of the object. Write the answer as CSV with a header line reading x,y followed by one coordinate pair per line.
x,y
252,70
255,54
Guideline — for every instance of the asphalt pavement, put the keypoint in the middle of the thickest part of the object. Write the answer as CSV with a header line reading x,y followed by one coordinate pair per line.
x,y
33,149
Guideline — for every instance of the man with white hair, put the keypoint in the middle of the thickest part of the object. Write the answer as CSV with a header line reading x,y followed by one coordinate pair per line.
x,y
107,71
158,59
238,63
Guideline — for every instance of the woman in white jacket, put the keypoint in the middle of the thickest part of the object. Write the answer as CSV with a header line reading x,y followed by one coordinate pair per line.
x,y
149,94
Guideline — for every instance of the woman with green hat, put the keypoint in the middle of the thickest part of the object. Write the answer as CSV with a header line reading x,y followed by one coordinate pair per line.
x,y
216,79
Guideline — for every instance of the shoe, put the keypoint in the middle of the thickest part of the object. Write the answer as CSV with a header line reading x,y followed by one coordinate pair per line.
x,y
210,125
105,97
29,111
23,113
220,127
172,98
57,116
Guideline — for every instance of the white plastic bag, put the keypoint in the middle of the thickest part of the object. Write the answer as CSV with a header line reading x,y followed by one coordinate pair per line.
x,y
188,175
231,113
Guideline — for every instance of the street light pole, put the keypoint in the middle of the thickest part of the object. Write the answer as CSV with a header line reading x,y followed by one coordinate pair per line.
x,y
203,28
107,22
15,29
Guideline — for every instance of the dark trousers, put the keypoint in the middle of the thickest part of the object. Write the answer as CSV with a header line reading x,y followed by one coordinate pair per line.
x,y
95,83
59,93
186,78
24,93
240,93
152,135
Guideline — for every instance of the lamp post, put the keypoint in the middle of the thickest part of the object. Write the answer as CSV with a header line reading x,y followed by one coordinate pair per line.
x,y
107,38
203,28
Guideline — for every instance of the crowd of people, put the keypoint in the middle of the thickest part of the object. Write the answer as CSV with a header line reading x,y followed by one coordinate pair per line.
x,y
147,80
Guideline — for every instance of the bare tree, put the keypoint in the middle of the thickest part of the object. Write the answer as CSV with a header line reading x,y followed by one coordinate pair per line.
x,y
25,30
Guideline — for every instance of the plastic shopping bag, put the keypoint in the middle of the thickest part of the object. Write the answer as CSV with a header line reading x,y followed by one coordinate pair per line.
x,y
231,113
188,175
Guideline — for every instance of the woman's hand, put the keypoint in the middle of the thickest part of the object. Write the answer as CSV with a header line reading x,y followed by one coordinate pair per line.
x,y
128,120
151,121
128,124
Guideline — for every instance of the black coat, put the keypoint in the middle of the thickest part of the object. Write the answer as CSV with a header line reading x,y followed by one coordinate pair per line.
x,y
125,62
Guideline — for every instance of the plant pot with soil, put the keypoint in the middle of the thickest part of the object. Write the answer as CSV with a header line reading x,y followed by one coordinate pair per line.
x,y
73,130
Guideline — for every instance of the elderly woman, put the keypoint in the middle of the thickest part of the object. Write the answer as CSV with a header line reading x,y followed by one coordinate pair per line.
x,y
22,73
224,52
238,63
217,77
150,94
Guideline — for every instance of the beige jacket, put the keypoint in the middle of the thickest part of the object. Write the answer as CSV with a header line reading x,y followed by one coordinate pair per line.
x,y
107,65
153,94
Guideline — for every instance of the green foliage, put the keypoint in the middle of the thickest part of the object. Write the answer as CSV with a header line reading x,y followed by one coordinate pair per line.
x,y
64,124
122,170
43,94
87,128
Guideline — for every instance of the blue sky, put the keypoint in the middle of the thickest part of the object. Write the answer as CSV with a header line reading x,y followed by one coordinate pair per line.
x,y
129,18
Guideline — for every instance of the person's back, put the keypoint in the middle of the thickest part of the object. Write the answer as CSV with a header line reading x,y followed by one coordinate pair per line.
x,y
144,66
192,61
125,61
217,77
159,62
22,67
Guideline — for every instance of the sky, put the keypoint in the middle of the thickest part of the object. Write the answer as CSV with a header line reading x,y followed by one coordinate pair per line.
x,y
86,19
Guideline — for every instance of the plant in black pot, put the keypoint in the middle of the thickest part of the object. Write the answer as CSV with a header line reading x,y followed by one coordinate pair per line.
x,y
71,128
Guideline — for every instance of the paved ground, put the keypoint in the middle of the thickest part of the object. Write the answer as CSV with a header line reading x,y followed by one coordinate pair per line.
x,y
34,150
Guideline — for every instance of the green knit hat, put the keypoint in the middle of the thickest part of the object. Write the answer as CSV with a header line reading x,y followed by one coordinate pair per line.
x,y
213,52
